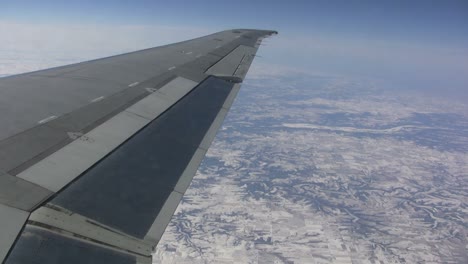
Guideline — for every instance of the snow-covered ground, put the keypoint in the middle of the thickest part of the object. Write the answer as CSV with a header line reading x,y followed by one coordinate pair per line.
x,y
328,170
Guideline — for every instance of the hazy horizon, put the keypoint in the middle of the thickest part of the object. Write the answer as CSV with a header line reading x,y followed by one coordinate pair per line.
x,y
414,45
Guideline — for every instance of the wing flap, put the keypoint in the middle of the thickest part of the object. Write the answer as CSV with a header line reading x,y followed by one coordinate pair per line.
x,y
64,165
11,222
229,65
39,245
141,173
144,178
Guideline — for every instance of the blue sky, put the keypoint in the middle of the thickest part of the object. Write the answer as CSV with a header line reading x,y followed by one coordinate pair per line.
x,y
415,44
435,20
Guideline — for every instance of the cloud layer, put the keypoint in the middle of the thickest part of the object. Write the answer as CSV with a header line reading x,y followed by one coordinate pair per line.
x,y
401,64
28,47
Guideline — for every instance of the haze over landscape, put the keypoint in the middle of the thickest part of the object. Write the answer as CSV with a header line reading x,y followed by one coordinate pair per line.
x,y
347,143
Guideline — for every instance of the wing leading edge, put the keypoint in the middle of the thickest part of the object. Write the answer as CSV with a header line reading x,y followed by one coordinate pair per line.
x,y
97,181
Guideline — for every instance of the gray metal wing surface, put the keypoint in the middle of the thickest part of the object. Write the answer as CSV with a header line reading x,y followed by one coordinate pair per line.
x,y
96,156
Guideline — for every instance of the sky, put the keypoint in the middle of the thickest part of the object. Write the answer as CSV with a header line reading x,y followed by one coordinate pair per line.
x,y
421,45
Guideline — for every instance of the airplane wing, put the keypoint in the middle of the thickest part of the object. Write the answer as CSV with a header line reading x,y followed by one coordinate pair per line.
x,y
96,156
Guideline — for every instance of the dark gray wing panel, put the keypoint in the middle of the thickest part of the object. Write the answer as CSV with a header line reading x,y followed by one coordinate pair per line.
x,y
39,246
139,176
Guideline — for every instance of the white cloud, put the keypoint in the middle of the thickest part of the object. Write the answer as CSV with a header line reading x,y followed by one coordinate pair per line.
x,y
29,47
401,65
266,70
371,49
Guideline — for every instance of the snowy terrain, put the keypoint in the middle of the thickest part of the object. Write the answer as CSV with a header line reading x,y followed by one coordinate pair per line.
x,y
317,169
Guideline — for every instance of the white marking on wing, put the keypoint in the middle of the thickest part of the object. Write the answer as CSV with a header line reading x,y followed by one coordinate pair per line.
x,y
47,119
97,99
